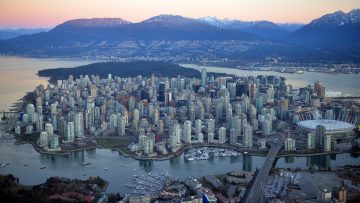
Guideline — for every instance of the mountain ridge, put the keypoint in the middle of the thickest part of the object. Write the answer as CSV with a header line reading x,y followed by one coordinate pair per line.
x,y
334,30
9,33
183,38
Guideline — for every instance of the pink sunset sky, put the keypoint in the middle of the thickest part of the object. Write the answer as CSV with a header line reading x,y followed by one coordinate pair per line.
x,y
49,13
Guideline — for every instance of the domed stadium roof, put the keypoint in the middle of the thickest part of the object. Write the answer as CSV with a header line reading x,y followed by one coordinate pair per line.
x,y
330,125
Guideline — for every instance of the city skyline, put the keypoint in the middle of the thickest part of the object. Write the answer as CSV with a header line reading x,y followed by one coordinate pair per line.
x,y
181,101
35,13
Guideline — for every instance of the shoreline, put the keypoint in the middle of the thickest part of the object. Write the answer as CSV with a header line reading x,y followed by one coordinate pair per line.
x,y
268,67
250,152
20,103
230,64
59,153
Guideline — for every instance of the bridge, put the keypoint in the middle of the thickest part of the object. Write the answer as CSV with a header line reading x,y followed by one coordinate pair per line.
x,y
256,192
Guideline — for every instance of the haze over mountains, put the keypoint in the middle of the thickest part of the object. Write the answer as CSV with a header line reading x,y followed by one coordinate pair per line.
x,y
8,33
330,37
265,29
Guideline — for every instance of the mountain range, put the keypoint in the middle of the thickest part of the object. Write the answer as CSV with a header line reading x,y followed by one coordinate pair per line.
x,y
331,37
265,29
336,30
8,33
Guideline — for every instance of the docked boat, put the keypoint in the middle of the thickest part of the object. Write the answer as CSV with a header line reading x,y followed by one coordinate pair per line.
x,y
205,153
85,164
43,167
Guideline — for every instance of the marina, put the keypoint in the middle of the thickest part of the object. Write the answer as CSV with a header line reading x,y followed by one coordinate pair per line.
x,y
147,184
180,102
122,169
278,185
205,153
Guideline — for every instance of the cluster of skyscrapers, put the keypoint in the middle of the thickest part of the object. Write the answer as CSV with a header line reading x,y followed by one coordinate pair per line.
x,y
166,113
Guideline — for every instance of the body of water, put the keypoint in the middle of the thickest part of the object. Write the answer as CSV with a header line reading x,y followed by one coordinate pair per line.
x,y
121,169
18,76
348,84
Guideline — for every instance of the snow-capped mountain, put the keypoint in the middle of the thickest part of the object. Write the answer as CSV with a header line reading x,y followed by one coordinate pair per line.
x,y
338,18
334,34
168,18
264,29
239,24
333,30
94,22
215,21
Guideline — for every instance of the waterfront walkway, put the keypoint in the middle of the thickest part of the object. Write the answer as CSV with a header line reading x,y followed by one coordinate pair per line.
x,y
256,192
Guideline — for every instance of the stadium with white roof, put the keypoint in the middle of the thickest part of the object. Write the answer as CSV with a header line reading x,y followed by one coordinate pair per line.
x,y
331,126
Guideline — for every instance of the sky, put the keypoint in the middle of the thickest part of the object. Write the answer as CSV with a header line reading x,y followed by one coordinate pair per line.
x,y
49,13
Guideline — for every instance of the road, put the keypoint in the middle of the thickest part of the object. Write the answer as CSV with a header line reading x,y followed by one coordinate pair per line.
x,y
256,193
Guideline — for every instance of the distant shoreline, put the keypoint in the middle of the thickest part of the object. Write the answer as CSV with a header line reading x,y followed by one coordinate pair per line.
x,y
17,104
278,68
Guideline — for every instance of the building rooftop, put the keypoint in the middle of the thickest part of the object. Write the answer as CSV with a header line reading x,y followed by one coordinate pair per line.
x,y
330,125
